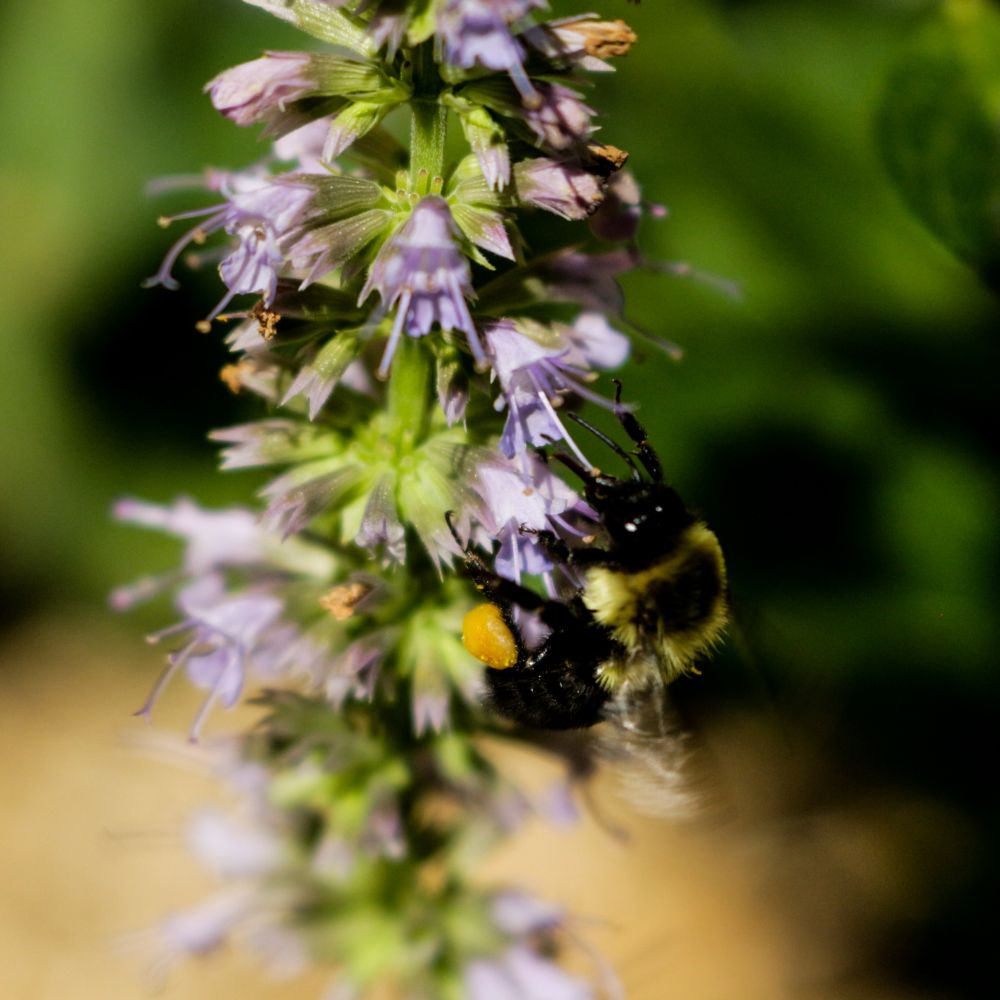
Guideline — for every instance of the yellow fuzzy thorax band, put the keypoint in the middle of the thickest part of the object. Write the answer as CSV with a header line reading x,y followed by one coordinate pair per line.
x,y
627,604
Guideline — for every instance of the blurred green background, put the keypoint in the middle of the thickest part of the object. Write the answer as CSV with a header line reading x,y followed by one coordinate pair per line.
x,y
832,422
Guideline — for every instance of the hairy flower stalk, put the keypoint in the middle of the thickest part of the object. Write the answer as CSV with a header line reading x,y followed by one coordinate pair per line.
x,y
416,361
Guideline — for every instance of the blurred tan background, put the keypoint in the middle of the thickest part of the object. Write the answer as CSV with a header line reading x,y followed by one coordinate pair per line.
x,y
834,424
761,905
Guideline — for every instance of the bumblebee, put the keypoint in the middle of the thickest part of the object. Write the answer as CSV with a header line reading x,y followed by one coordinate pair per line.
x,y
653,600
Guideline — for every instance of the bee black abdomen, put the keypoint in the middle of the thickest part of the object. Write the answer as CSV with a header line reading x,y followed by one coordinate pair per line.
x,y
555,699
555,686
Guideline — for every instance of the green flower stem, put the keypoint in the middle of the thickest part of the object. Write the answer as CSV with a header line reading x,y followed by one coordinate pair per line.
x,y
410,393
429,124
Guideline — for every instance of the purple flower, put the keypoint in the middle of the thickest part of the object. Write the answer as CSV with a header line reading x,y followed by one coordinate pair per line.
x,y
247,912
531,420
422,273
388,26
487,139
478,32
222,631
519,915
258,212
591,280
251,92
228,635
595,343
270,90
517,498
484,228
232,849
353,673
304,147
537,372
493,157
561,187
522,366
231,638
560,119
522,974
280,203
215,539
617,220
253,266
204,928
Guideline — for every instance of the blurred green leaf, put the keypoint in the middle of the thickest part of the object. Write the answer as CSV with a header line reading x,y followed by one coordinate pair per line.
x,y
939,130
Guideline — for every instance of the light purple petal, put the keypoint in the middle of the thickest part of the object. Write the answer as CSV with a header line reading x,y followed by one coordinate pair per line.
x,y
252,91
423,274
519,914
489,980
232,849
539,979
563,188
560,120
203,929
478,32
597,343
214,538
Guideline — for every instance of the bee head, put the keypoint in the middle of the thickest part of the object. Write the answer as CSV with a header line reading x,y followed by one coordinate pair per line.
x,y
639,517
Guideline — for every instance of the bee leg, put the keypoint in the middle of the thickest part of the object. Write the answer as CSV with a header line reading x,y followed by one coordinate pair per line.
x,y
644,450
475,567
584,558
557,550
506,593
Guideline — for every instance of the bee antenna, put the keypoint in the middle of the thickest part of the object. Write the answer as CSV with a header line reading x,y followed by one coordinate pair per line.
x,y
613,445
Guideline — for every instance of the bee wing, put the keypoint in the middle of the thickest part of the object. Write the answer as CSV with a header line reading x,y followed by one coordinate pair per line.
x,y
652,754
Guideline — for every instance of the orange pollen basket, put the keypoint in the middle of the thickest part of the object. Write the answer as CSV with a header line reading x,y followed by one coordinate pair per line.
x,y
487,637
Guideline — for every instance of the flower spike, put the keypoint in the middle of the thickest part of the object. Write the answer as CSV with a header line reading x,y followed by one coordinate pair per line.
x,y
422,368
